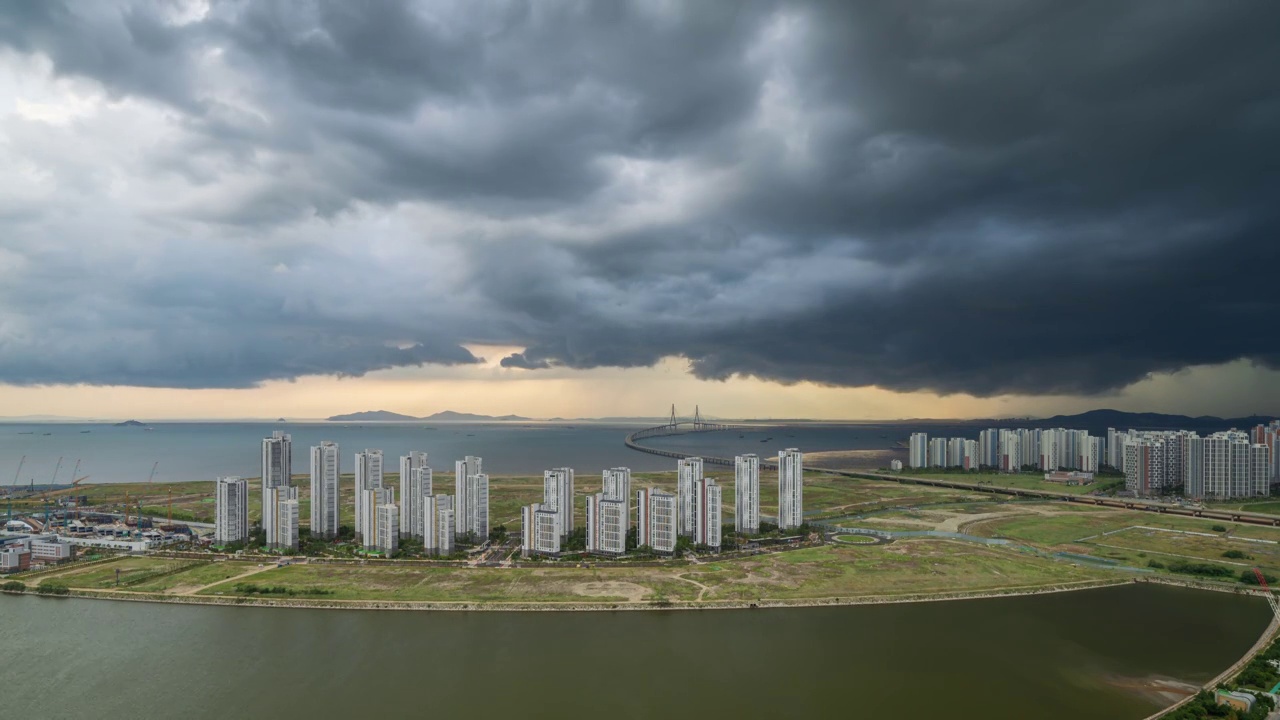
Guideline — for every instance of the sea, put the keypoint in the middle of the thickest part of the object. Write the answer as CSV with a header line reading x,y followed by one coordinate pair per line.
x,y
183,451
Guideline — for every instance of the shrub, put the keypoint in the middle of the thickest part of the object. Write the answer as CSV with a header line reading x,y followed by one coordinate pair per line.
x,y
1155,564
1248,577
1234,554
1219,528
14,586
52,588
1201,569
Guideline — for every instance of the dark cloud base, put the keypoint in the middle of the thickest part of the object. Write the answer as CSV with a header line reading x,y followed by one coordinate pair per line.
x,y
984,197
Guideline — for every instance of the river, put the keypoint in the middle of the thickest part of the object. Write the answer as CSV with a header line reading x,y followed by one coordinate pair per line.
x,y
1062,655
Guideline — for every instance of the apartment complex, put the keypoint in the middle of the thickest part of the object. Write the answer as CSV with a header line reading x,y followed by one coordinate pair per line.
x,y
231,513
1221,465
1009,450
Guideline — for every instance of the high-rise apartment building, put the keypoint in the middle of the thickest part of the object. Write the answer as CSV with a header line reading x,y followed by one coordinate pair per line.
x,y
557,495
437,524
540,530
326,471
606,524
790,489
918,450
938,453
706,529
414,485
388,531
446,526
370,508
231,510
658,520
468,467
688,472
477,507
746,494
368,477
283,502
277,470
617,483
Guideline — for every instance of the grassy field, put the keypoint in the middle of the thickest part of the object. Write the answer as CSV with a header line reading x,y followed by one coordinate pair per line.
x,y
198,576
1157,542
905,567
560,584
132,570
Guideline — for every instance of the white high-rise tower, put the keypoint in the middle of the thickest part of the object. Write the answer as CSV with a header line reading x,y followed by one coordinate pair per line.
x,y
746,494
790,489
326,469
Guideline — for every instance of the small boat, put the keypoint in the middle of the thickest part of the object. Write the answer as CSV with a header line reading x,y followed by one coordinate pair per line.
x,y
82,432
27,432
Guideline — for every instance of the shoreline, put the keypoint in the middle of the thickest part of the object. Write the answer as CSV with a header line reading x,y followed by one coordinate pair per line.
x,y
623,606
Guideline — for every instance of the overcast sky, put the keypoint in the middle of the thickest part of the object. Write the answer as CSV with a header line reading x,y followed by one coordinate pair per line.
x,y
223,209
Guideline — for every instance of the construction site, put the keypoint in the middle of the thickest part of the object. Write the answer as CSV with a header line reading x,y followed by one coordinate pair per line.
x,y
50,523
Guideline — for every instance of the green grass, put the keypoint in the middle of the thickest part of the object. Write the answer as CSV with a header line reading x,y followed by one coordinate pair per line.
x,y
132,569
197,576
405,583
904,567
1156,542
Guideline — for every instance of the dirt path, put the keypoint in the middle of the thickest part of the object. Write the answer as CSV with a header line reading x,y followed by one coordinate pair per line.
x,y
702,589
197,588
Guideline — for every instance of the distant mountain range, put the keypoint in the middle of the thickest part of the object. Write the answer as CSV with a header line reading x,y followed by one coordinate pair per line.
x,y
444,416
1124,420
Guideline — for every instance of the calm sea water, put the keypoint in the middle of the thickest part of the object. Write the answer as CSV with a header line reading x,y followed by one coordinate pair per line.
x,y
1050,657
203,451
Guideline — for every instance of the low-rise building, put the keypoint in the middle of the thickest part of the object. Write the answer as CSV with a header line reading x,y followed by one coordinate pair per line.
x,y
1069,477
14,558
1242,701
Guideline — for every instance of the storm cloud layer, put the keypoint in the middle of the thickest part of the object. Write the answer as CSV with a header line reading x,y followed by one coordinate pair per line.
x,y
982,197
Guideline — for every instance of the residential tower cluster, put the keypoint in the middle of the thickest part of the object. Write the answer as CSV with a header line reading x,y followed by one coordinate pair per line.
x,y
437,519
1227,464
693,511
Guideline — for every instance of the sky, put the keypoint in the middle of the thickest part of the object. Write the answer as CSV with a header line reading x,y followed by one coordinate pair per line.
x,y
767,209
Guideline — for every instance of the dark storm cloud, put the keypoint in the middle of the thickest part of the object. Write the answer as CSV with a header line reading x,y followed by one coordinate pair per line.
x,y
982,197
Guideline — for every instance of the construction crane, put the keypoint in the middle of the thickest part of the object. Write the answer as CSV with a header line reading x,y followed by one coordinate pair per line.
x,y
152,476
1271,599
45,494
14,485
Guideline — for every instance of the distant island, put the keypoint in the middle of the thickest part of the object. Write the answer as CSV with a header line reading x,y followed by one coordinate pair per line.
x,y
445,415
130,423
